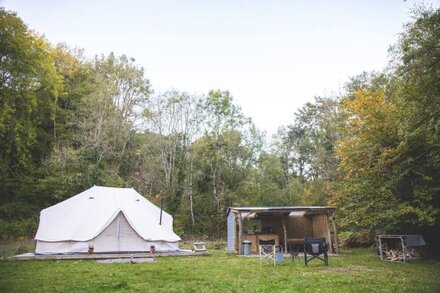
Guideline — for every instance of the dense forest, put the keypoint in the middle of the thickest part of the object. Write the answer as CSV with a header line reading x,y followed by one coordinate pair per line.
x,y
68,122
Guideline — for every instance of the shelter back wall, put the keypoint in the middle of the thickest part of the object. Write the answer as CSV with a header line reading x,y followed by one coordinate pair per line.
x,y
320,226
299,227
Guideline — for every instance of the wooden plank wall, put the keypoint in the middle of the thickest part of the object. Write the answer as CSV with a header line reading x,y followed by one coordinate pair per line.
x,y
320,226
299,227
308,226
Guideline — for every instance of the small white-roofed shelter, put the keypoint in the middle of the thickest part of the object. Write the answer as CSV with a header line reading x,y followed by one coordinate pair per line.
x,y
109,219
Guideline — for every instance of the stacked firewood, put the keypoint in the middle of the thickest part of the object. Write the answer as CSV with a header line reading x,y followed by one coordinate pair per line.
x,y
398,255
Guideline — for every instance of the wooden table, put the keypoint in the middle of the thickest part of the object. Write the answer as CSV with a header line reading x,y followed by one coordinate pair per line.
x,y
295,241
293,244
255,238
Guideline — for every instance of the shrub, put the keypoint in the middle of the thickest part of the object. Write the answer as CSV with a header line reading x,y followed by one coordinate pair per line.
x,y
355,239
15,229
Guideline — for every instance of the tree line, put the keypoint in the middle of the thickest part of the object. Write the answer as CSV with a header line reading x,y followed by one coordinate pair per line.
x,y
68,122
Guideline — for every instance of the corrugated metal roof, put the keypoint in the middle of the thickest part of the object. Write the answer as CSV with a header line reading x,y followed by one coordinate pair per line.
x,y
411,240
308,209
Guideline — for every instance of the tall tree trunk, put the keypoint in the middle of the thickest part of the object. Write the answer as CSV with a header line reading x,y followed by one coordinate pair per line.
x,y
190,191
217,199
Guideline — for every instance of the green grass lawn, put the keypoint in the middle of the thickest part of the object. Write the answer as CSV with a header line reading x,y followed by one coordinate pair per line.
x,y
358,270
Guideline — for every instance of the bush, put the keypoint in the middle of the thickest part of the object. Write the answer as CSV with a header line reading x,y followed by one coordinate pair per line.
x,y
355,239
15,229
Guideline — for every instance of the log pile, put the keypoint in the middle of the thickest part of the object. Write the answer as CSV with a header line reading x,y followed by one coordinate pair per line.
x,y
398,255
399,248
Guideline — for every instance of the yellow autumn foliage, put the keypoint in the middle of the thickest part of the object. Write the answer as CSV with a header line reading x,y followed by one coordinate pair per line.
x,y
370,132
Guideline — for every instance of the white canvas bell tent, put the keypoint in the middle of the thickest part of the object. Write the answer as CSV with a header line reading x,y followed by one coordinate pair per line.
x,y
110,219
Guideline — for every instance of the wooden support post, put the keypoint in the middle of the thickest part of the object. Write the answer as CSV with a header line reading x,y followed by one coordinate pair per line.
x,y
335,233
380,247
285,234
161,209
240,233
329,235
403,249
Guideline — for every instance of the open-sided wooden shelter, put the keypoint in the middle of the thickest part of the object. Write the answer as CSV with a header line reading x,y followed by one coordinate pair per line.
x,y
288,226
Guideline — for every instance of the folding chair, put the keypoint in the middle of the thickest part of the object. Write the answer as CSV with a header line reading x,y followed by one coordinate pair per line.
x,y
267,250
315,247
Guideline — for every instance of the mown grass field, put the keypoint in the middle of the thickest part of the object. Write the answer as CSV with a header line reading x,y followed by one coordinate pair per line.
x,y
353,271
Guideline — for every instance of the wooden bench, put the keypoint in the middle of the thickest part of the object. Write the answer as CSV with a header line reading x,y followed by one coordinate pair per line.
x,y
199,246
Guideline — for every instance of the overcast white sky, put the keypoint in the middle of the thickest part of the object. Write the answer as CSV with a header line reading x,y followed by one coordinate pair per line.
x,y
273,56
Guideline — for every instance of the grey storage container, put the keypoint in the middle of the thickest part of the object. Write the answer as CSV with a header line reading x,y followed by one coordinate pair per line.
x,y
246,247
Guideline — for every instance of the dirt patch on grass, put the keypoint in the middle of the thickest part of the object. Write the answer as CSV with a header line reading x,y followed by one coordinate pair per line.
x,y
349,270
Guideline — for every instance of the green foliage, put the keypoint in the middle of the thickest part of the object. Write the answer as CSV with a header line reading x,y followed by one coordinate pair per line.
x,y
14,229
306,150
390,149
29,86
95,126
354,239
